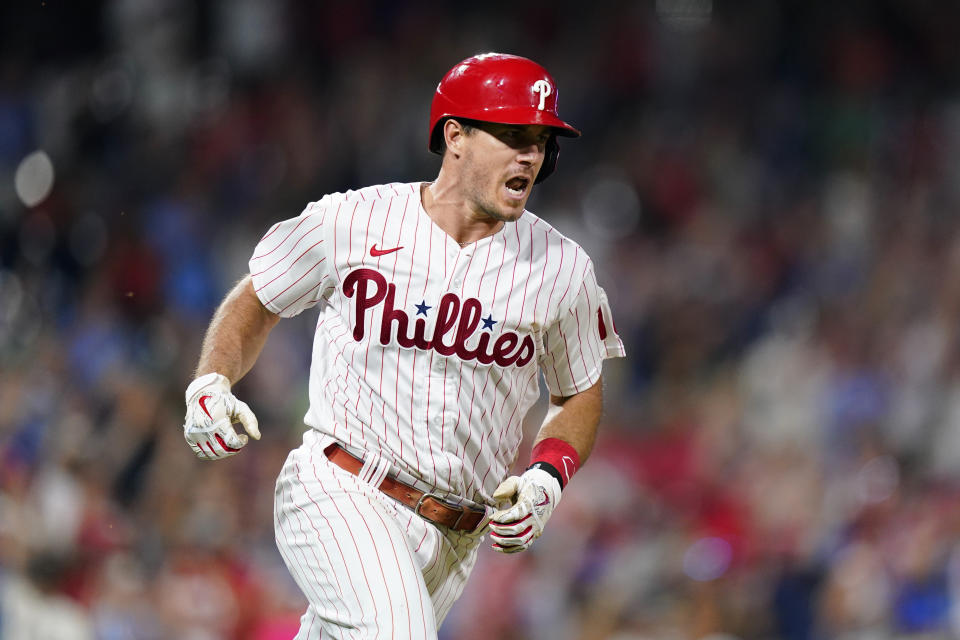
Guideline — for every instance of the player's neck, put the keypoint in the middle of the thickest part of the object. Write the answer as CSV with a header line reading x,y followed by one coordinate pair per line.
x,y
450,211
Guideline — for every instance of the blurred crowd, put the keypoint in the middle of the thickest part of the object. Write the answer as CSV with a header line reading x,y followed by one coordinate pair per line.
x,y
769,190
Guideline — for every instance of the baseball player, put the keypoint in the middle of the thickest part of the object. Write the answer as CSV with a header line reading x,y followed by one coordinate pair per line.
x,y
440,305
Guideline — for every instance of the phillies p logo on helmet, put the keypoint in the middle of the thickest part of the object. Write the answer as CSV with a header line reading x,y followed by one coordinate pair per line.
x,y
544,89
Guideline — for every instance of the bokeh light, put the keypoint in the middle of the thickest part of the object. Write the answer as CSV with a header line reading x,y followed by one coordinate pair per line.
x,y
707,559
33,179
610,205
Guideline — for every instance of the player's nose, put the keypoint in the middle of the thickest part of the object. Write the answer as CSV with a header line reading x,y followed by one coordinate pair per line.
x,y
530,155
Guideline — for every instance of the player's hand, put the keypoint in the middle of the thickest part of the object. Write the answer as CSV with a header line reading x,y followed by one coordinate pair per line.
x,y
211,412
533,497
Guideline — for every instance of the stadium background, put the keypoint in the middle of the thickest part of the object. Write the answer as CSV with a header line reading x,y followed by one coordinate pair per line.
x,y
770,191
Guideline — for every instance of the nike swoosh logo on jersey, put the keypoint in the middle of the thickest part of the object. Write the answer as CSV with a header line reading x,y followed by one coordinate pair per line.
x,y
203,405
376,253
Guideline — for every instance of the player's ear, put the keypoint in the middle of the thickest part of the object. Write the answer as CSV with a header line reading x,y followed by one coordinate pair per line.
x,y
454,133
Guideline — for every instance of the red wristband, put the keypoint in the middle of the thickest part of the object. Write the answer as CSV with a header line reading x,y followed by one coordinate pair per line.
x,y
558,454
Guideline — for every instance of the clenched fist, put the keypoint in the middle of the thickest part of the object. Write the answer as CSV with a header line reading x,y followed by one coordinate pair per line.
x,y
211,412
533,497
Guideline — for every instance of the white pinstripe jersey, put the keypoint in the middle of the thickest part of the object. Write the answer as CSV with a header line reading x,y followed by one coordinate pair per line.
x,y
425,352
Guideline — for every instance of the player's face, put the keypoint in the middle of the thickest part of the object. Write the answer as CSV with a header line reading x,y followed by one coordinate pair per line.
x,y
501,163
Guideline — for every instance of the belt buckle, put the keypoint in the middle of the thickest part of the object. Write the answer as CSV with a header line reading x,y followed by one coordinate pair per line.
x,y
416,508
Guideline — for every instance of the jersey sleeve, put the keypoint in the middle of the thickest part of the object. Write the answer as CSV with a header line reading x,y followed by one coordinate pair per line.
x,y
583,336
289,267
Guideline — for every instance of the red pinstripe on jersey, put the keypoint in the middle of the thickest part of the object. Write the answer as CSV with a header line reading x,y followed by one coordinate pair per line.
x,y
258,256
447,410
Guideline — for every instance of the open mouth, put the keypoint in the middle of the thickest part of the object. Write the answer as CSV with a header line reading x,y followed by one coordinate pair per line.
x,y
517,186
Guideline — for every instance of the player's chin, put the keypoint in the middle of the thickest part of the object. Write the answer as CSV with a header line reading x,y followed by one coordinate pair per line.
x,y
511,208
511,215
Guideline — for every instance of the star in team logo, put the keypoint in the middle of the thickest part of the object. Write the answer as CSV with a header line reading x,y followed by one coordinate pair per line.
x,y
488,322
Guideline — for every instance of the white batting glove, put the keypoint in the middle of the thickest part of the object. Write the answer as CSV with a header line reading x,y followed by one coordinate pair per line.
x,y
533,497
211,412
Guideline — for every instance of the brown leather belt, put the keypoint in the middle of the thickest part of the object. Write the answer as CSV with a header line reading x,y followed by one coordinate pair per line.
x,y
427,505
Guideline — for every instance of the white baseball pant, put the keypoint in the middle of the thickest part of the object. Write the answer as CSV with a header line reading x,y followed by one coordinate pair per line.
x,y
368,565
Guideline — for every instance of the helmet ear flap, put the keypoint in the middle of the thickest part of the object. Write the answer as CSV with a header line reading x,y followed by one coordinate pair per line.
x,y
436,137
550,155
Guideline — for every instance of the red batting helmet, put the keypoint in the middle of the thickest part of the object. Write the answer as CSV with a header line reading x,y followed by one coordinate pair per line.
x,y
496,87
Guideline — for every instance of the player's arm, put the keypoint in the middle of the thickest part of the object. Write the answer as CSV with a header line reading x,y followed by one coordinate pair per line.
x,y
233,341
574,420
236,334
563,443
